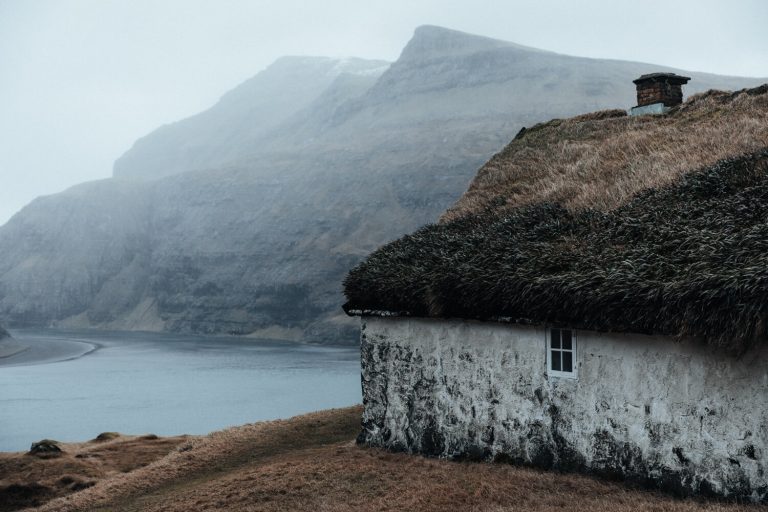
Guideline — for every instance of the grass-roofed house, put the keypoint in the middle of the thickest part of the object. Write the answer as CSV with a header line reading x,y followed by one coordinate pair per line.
x,y
597,301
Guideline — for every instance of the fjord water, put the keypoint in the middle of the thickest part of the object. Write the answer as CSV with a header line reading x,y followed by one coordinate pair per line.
x,y
70,385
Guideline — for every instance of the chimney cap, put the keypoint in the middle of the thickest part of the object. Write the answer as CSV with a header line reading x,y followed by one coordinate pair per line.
x,y
670,78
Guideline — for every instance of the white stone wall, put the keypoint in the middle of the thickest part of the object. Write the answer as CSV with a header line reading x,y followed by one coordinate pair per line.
x,y
674,415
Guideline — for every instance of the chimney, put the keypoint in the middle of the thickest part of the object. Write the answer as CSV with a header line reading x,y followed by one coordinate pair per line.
x,y
658,92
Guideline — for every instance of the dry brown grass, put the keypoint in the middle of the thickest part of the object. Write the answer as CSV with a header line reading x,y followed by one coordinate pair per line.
x,y
29,480
310,463
600,160
207,459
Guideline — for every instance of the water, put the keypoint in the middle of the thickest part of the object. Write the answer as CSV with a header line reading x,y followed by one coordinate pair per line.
x,y
138,383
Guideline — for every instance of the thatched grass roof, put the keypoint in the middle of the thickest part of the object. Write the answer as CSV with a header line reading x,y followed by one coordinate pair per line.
x,y
687,258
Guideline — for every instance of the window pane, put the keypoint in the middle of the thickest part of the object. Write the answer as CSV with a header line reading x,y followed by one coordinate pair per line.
x,y
555,354
565,335
567,361
555,333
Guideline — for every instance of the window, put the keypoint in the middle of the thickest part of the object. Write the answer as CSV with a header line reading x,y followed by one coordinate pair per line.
x,y
561,352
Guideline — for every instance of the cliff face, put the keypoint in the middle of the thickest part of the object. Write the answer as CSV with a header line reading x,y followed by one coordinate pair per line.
x,y
247,216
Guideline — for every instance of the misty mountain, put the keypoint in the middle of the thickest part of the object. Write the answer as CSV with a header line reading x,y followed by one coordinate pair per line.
x,y
245,217
244,116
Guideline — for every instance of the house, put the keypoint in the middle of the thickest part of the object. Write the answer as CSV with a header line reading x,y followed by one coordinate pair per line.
x,y
597,301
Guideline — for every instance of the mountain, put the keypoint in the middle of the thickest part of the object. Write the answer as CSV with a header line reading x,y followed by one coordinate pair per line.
x,y
245,217
244,116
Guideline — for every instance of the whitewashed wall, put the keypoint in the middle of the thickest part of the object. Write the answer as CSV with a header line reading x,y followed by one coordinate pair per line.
x,y
673,415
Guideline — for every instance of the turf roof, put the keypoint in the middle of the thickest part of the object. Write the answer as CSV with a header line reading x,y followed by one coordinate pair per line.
x,y
687,259
601,160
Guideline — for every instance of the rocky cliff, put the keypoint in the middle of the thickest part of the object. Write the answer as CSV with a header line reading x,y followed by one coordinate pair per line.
x,y
246,217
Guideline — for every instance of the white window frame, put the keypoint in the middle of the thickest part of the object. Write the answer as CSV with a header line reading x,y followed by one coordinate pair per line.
x,y
574,373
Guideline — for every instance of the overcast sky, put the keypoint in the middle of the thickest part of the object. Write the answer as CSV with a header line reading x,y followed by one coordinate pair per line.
x,y
80,80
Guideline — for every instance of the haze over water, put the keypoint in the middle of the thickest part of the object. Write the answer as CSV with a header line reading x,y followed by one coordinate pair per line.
x,y
166,384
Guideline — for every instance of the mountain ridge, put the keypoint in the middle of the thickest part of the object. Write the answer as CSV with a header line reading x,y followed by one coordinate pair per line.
x,y
431,41
244,114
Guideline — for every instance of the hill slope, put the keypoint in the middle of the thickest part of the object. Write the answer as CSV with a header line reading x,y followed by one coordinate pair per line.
x,y
246,217
310,463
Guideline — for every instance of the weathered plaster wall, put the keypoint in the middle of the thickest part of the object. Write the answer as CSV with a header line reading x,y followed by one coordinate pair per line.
x,y
673,415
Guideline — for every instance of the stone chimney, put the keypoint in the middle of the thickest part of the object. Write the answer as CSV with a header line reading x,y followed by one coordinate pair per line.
x,y
658,92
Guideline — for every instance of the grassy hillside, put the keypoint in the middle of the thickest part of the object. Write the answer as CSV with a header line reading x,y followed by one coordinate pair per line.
x,y
28,480
311,463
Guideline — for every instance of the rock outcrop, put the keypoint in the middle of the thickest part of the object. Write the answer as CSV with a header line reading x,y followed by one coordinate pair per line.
x,y
247,216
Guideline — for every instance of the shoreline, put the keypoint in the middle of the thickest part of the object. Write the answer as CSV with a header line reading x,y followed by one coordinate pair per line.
x,y
10,348
55,345
45,350
33,346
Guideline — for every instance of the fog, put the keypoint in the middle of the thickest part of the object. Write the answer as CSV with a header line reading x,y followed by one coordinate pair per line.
x,y
81,80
